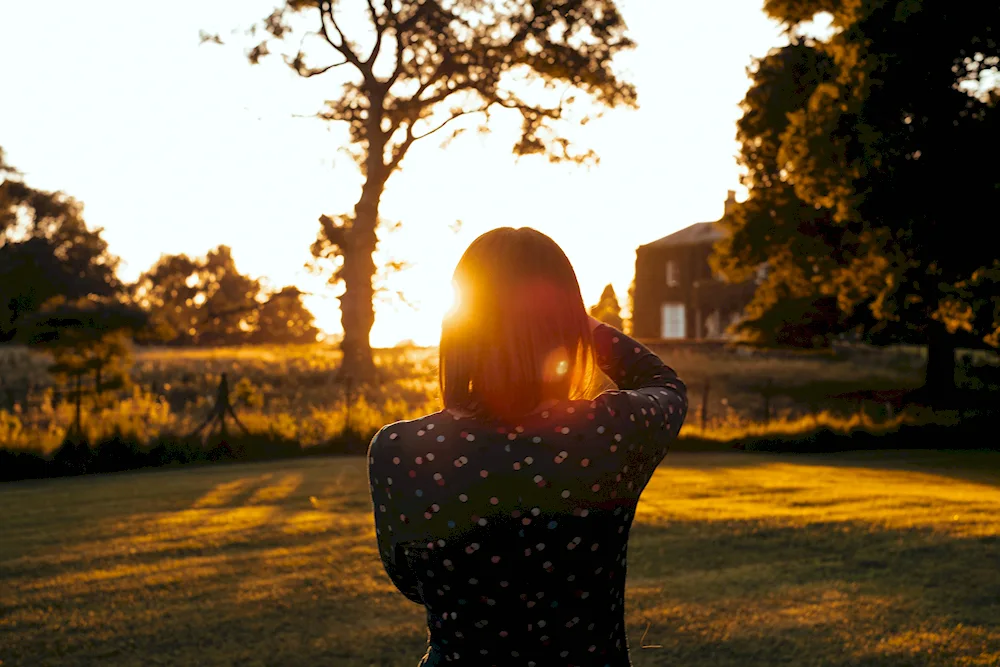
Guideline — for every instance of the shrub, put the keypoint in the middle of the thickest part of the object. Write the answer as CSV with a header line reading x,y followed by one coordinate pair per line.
x,y
15,465
173,450
118,452
73,457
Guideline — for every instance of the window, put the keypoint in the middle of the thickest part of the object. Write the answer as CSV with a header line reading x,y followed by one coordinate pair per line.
x,y
672,323
673,274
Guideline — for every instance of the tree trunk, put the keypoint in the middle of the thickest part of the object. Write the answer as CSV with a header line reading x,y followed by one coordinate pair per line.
x,y
939,380
356,305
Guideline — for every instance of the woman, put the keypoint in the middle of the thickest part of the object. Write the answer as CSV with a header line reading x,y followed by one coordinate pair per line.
x,y
507,514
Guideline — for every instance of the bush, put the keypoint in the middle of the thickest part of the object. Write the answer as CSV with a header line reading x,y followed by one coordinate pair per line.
x,y
73,457
118,452
15,465
172,450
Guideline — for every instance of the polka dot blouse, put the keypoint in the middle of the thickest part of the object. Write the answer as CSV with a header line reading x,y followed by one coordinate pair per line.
x,y
514,537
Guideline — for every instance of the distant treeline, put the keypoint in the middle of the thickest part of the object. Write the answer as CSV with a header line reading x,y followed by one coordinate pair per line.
x,y
48,255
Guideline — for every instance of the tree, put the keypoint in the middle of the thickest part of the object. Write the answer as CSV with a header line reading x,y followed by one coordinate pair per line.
x,y
797,241
428,64
88,335
607,309
207,301
231,300
169,290
46,250
869,160
283,318
203,301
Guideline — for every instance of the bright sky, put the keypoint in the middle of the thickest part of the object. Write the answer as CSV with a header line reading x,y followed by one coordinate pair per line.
x,y
175,147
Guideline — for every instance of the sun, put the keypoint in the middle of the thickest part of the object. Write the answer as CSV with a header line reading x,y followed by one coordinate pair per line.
x,y
420,324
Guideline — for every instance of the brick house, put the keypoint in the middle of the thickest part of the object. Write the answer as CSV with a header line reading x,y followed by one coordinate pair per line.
x,y
676,294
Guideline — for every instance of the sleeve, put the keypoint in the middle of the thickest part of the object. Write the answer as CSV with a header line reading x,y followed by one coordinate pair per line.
x,y
387,518
649,406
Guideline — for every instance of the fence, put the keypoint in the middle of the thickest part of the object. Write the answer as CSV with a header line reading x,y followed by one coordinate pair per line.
x,y
25,396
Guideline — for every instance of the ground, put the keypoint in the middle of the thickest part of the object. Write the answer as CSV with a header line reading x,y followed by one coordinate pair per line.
x,y
736,559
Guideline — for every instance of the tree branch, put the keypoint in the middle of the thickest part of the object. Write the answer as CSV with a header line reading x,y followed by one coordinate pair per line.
x,y
453,117
325,9
379,30
335,234
400,151
302,70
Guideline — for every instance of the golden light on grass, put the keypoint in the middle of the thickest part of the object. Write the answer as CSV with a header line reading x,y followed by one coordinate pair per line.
x,y
735,560
224,493
798,494
278,491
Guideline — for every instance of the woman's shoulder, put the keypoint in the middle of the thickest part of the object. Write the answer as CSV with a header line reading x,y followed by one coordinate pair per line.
x,y
394,436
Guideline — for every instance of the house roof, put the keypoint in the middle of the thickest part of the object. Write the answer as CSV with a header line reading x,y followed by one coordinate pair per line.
x,y
699,232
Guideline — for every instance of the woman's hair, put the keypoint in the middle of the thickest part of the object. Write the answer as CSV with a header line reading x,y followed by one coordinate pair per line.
x,y
518,334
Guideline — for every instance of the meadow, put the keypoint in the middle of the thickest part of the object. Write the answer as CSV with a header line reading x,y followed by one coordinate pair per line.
x,y
291,393
884,559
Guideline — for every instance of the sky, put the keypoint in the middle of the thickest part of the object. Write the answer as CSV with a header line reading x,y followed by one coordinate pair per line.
x,y
177,147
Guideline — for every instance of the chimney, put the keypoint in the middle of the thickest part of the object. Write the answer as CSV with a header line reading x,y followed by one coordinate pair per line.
x,y
730,201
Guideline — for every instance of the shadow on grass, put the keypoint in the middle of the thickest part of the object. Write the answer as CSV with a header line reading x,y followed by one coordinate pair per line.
x,y
275,564
755,593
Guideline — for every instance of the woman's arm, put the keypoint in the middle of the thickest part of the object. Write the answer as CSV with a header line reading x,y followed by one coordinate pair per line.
x,y
651,401
387,520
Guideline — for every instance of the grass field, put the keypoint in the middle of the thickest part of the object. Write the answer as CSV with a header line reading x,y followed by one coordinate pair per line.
x,y
878,559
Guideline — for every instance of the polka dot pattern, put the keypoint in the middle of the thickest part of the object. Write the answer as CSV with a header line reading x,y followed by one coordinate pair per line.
x,y
514,537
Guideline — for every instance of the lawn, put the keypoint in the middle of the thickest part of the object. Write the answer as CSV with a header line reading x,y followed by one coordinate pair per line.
x,y
736,559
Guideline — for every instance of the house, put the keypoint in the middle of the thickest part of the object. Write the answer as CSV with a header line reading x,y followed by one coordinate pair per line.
x,y
677,295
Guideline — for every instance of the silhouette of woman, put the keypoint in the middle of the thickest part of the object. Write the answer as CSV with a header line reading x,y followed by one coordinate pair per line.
x,y
507,514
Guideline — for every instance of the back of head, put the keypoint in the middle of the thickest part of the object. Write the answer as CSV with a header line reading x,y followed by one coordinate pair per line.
x,y
519,333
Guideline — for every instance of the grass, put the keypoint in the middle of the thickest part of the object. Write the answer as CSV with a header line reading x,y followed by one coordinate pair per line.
x,y
291,392
735,559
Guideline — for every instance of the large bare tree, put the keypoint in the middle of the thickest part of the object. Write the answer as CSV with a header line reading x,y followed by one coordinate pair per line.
x,y
418,65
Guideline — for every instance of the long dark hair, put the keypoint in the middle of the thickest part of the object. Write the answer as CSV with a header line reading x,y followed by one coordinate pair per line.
x,y
519,334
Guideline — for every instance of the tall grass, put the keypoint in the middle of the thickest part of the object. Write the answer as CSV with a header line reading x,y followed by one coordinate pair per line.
x,y
290,393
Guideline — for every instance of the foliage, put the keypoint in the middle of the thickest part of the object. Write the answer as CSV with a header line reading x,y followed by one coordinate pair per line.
x,y
864,157
46,250
426,65
86,335
207,301
608,310
283,318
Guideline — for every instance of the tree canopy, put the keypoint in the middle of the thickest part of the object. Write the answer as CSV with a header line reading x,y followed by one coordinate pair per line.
x,y
46,250
207,301
870,162
608,310
416,68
